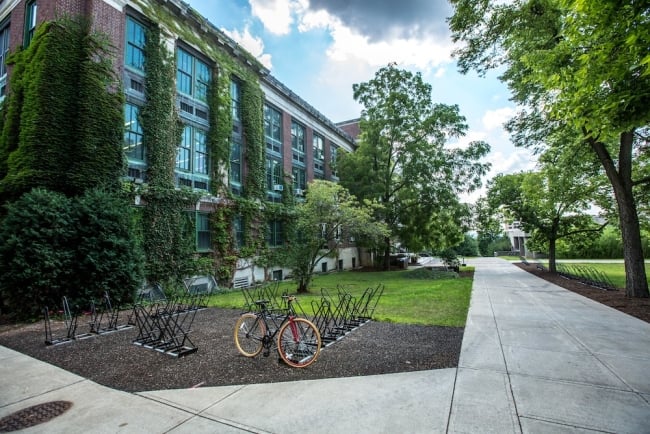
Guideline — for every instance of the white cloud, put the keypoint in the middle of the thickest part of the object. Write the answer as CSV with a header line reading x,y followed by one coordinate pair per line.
x,y
350,45
494,119
276,15
254,45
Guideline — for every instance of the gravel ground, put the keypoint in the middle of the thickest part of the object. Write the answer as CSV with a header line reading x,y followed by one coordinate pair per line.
x,y
113,360
374,348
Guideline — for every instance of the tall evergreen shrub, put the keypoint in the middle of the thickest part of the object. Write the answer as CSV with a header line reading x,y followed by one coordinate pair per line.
x,y
53,246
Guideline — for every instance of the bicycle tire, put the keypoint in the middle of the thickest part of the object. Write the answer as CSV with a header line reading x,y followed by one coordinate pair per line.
x,y
299,346
249,332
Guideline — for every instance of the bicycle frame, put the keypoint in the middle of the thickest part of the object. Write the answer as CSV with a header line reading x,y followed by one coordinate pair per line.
x,y
266,316
297,339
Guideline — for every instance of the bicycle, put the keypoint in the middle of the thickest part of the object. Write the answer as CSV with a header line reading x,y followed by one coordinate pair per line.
x,y
298,339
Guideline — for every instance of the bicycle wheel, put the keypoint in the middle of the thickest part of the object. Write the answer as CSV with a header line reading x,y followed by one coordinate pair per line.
x,y
299,343
249,332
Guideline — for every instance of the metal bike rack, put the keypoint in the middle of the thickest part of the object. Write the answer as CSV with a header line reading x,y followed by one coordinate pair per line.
x,y
70,321
165,326
105,312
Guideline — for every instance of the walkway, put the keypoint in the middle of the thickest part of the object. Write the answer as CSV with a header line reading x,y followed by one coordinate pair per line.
x,y
535,359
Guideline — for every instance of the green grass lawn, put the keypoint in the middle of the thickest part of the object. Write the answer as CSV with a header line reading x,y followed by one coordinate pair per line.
x,y
405,299
614,270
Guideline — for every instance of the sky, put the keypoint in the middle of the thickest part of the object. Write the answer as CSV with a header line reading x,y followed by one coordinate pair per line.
x,y
320,48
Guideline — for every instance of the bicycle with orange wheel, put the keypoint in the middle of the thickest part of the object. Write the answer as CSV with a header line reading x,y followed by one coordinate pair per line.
x,y
297,339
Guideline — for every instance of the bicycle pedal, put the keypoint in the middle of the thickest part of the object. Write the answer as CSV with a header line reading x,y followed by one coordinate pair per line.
x,y
266,353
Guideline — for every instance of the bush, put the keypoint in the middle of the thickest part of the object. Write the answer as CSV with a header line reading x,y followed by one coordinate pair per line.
x,y
425,273
53,246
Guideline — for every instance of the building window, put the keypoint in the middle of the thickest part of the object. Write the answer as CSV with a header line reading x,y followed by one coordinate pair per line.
x,y
235,98
298,142
202,232
235,162
319,154
333,157
133,147
192,158
273,129
299,179
31,10
275,234
238,225
4,50
135,40
192,76
274,175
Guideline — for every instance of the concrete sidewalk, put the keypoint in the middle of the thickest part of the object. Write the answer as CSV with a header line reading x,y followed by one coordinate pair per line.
x,y
535,359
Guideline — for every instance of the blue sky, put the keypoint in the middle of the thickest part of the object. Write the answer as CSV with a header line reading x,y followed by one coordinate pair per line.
x,y
320,48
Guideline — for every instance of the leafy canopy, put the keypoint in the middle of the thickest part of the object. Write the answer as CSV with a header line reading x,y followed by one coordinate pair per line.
x,y
403,161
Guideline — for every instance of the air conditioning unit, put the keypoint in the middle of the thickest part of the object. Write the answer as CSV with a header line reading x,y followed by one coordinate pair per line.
x,y
278,187
299,192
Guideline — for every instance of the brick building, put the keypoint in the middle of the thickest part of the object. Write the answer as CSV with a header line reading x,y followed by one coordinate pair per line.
x,y
301,143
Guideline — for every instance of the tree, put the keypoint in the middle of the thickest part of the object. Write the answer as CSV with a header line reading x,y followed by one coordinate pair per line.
x,y
488,228
550,204
323,223
402,161
584,64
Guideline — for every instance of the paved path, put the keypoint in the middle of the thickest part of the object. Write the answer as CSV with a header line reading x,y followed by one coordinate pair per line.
x,y
535,359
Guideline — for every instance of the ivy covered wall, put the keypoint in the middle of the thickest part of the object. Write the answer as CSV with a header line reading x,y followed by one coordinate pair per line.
x,y
62,129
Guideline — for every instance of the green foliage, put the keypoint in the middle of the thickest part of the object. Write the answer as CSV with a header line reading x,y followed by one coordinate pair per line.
x,y
253,125
169,240
550,204
469,246
499,244
321,224
426,273
53,246
403,163
168,234
608,245
160,122
579,68
106,254
487,226
74,143
220,129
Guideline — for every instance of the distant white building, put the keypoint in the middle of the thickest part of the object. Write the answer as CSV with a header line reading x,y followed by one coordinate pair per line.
x,y
517,237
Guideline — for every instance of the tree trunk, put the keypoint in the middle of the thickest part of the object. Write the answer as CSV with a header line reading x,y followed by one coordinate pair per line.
x,y
386,265
552,266
636,283
303,286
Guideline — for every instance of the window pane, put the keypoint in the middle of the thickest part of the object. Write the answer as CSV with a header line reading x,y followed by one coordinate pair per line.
x,y
235,162
184,150
202,232
318,147
135,40
239,231
234,97
202,81
133,147
200,152
297,137
183,72
31,12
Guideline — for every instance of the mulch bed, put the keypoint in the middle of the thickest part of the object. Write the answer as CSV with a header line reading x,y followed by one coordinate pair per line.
x,y
114,361
374,348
